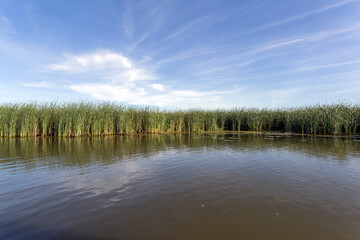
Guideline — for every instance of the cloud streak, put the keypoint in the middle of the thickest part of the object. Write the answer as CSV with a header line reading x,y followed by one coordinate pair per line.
x,y
298,17
43,84
301,39
187,27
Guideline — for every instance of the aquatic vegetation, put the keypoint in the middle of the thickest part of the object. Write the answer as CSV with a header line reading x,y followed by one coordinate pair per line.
x,y
90,119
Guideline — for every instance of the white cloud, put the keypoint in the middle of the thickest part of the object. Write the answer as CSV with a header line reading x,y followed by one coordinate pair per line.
x,y
114,66
138,95
158,87
100,60
121,83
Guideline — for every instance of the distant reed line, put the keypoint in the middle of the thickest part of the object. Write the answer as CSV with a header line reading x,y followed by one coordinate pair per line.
x,y
89,119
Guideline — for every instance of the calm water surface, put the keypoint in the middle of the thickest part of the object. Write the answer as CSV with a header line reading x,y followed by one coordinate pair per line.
x,y
216,186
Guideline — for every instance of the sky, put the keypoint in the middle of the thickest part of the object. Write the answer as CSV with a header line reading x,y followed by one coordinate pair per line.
x,y
181,54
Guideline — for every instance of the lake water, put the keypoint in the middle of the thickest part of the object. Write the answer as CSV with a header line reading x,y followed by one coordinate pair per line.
x,y
208,186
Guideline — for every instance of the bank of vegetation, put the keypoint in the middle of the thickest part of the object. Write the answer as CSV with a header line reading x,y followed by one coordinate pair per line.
x,y
89,119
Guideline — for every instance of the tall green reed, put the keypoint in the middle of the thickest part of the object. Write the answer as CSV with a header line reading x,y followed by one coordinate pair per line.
x,y
90,119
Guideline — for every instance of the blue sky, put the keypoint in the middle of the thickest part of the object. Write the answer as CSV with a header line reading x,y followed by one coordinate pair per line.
x,y
208,54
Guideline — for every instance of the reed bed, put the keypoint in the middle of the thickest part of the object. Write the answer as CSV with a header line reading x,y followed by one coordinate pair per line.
x,y
90,119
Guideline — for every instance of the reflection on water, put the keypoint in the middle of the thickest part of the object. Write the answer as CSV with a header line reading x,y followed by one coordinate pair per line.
x,y
205,186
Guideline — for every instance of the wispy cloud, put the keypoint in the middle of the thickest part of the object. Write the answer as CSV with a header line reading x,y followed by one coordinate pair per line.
x,y
313,67
200,52
298,17
109,92
348,90
136,43
223,62
224,68
39,84
317,36
187,27
223,59
338,64
279,96
128,19
5,26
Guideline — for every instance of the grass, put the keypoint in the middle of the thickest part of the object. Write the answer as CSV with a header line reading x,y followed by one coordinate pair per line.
x,y
88,119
